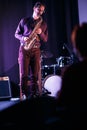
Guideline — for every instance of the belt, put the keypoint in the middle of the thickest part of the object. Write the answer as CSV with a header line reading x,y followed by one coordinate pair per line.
x,y
35,46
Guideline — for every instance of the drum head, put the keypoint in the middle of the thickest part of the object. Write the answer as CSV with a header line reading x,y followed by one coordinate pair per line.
x,y
53,84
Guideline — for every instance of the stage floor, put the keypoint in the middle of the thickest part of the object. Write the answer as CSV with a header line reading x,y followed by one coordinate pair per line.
x,y
8,103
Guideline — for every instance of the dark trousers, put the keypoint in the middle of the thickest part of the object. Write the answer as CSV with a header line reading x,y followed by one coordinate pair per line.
x,y
29,65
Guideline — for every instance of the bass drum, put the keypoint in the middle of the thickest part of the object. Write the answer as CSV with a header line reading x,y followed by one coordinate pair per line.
x,y
52,83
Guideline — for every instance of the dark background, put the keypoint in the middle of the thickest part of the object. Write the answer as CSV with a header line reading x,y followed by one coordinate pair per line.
x,y
61,16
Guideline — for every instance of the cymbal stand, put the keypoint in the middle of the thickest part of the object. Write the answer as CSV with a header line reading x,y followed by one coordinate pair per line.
x,y
54,69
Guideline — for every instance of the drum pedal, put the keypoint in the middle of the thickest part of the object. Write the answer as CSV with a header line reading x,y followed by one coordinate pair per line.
x,y
45,91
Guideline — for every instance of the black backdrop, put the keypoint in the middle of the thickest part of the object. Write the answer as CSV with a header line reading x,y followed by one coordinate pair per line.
x,y
61,16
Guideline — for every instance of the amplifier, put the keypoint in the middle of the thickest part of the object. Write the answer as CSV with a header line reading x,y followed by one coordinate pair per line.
x,y
5,88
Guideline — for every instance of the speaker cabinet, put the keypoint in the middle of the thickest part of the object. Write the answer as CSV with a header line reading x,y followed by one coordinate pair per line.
x,y
5,88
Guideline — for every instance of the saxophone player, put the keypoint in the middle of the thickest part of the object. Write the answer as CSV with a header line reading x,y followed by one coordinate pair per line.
x,y
28,32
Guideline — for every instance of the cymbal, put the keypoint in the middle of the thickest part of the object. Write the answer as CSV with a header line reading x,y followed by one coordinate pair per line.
x,y
46,54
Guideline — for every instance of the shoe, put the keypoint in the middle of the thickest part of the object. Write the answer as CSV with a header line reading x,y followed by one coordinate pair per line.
x,y
23,97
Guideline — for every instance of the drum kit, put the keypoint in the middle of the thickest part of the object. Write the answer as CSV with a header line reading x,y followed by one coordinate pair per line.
x,y
51,74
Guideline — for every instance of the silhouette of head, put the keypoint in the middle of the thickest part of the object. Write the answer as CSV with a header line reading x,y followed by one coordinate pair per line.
x,y
79,40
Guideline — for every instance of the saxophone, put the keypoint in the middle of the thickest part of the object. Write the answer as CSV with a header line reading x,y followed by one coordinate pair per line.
x,y
33,37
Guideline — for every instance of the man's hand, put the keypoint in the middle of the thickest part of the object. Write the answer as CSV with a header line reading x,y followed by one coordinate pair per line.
x,y
25,39
39,31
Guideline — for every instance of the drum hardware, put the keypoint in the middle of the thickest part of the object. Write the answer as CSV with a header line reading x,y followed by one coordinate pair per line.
x,y
54,68
63,61
47,75
46,70
45,91
52,83
44,54
50,69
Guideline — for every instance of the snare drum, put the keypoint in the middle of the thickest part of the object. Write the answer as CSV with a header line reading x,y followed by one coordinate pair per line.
x,y
52,83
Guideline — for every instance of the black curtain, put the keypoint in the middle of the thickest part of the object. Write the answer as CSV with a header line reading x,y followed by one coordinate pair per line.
x,y
61,16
